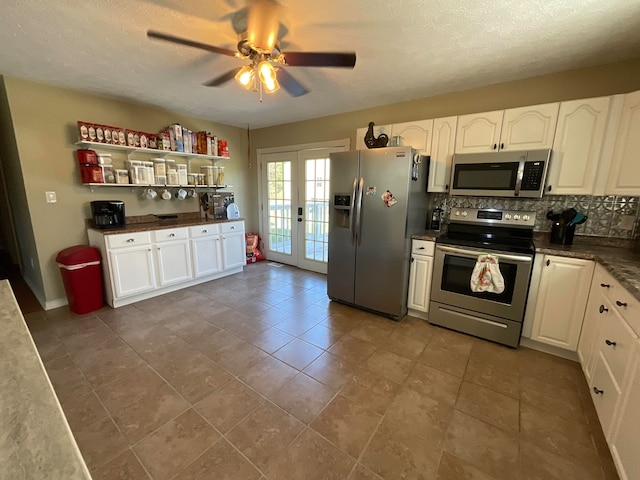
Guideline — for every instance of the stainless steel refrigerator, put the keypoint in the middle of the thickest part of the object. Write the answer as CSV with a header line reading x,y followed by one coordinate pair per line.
x,y
378,201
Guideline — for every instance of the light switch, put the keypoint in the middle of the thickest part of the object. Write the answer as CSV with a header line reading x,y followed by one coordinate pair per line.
x,y
51,197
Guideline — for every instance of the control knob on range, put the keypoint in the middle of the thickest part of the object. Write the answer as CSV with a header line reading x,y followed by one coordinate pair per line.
x,y
507,216
526,218
464,213
516,216
457,213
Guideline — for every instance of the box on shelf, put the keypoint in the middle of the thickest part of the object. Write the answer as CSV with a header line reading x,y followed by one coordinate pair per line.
x,y
153,140
91,173
160,180
144,140
164,141
175,136
86,156
83,130
159,166
131,142
182,174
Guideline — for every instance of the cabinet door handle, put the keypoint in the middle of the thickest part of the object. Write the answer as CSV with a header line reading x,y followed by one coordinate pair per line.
x,y
130,240
610,343
204,231
603,309
621,304
502,146
605,285
548,262
412,259
495,146
549,188
420,248
597,391
172,235
232,228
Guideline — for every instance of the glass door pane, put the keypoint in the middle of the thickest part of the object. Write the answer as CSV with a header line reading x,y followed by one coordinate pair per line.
x,y
279,191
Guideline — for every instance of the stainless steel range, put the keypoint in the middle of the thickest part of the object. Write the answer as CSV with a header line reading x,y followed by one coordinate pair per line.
x,y
506,236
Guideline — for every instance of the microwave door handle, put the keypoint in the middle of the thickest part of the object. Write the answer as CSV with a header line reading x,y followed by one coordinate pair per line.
x,y
474,254
520,175
352,218
359,212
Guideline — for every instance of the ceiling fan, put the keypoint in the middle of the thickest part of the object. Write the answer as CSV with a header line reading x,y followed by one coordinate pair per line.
x,y
260,45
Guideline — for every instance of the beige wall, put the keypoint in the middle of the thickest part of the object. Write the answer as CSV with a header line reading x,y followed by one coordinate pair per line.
x,y
44,120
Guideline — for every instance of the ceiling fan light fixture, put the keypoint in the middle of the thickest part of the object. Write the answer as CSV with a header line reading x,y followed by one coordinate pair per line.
x,y
245,76
268,77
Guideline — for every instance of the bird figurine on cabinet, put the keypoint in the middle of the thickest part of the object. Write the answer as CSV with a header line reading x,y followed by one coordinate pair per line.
x,y
372,142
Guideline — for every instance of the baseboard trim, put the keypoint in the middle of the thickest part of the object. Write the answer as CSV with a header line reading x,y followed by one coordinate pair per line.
x,y
36,293
57,303
550,349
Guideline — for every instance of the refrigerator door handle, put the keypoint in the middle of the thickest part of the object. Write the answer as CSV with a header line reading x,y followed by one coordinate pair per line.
x,y
359,212
352,229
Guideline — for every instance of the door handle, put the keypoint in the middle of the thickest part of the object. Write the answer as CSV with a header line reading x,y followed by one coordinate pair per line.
x,y
359,217
352,217
299,219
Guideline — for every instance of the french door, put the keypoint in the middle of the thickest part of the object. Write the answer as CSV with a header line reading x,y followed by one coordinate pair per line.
x,y
295,207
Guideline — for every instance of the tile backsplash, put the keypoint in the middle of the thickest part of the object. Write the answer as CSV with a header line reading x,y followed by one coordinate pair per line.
x,y
607,216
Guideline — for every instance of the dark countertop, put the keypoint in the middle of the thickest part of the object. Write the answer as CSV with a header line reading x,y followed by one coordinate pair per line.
x,y
621,258
622,263
160,224
427,235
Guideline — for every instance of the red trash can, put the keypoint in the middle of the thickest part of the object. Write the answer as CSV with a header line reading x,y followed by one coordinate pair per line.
x,y
80,269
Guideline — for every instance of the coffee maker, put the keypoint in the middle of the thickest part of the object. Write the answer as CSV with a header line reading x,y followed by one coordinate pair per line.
x,y
108,213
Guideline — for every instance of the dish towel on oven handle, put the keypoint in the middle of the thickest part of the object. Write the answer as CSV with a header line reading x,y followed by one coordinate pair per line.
x,y
486,276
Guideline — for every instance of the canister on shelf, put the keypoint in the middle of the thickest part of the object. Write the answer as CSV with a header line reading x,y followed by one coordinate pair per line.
x,y
209,175
122,176
182,174
159,166
172,176
220,180
104,159
191,179
200,178
160,180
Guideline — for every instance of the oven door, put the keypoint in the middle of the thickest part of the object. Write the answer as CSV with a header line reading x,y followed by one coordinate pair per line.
x,y
452,270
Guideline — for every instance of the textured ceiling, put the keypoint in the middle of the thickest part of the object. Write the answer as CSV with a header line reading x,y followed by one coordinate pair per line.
x,y
406,49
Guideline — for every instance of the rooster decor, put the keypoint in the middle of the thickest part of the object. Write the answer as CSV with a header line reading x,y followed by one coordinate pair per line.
x,y
372,142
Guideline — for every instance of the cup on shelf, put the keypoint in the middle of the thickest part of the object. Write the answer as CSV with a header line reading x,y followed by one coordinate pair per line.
x,y
166,194
181,194
150,194
191,193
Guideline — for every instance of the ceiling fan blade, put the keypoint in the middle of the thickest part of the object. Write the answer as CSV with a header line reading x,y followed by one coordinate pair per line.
x,y
290,84
225,77
189,43
320,59
262,24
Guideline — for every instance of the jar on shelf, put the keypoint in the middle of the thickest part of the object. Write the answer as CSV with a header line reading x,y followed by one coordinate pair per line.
x,y
220,180
208,171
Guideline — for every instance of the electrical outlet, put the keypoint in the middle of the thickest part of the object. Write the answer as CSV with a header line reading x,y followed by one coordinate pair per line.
x,y
51,197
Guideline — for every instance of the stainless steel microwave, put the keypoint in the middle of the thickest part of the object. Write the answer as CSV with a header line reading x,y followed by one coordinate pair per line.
x,y
500,174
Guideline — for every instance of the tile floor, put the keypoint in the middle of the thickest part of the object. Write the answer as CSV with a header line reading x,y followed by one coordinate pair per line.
x,y
260,376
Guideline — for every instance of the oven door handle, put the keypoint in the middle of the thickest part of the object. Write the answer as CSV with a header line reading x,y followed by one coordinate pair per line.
x,y
474,253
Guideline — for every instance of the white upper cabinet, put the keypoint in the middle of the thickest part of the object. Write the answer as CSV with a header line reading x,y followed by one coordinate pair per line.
x,y
529,128
377,130
414,134
442,148
624,176
577,147
523,128
478,132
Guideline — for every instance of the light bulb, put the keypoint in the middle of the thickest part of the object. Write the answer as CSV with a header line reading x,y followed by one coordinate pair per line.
x,y
268,77
245,76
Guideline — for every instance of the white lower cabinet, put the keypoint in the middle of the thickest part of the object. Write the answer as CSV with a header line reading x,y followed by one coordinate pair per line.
x,y
562,298
609,352
174,262
234,250
420,277
132,270
207,256
626,437
141,265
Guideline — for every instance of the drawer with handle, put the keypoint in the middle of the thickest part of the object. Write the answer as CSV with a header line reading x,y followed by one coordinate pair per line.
x,y
128,239
423,247
230,227
204,230
623,301
616,341
170,234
